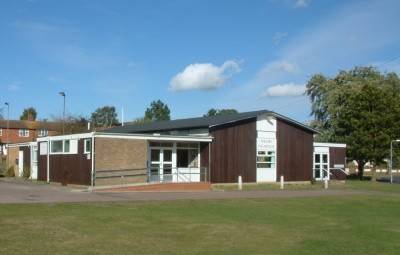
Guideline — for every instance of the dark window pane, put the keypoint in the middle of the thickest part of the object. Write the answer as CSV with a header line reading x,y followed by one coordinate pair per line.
x,y
182,157
167,155
155,155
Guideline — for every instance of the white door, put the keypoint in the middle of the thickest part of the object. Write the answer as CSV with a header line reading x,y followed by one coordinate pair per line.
x,y
321,166
20,163
34,162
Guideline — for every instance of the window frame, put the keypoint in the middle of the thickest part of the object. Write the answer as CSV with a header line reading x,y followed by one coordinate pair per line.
x,y
85,149
70,148
43,132
23,132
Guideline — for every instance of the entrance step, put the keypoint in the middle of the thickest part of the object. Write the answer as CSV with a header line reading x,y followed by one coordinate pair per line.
x,y
168,187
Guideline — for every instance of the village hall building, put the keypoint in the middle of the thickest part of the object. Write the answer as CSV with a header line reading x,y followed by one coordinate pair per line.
x,y
259,146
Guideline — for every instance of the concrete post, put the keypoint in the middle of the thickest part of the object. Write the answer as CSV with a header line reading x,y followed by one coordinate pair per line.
x,y
240,182
282,182
326,183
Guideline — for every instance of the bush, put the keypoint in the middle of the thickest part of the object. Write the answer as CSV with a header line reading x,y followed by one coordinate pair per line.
x,y
10,172
26,172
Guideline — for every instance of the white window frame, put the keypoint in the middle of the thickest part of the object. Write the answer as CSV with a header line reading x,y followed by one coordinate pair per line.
x,y
23,132
42,132
73,146
85,149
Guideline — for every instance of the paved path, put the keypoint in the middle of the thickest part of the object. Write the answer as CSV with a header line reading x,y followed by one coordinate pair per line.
x,y
26,192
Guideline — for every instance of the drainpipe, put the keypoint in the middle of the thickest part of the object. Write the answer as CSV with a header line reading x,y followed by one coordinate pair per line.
x,y
92,158
48,161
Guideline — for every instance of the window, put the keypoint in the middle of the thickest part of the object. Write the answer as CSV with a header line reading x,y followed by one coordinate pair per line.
x,y
42,132
88,145
57,146
64,146
266,159
187,154
23,133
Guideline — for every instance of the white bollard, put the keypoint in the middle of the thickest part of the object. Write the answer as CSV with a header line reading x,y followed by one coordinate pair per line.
x,y
282,182
240,182
326,183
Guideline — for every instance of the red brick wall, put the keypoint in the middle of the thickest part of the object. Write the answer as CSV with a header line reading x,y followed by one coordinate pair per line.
x,y
14,136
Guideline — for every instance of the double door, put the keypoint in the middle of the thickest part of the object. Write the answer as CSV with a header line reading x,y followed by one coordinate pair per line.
x,y
160,165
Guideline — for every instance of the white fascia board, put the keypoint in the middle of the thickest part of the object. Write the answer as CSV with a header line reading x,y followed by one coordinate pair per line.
x,y
12,145
333,145
65,137
155,137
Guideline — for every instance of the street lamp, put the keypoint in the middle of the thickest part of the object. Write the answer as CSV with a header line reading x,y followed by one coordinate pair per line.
x,y
63,119
391,158
8,133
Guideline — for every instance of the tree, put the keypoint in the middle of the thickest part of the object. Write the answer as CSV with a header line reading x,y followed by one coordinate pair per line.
x,y
29,114
105,116
157,111
72,125
216,112
359,107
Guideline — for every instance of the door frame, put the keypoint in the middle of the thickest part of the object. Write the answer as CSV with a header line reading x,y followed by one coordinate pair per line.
x,y
322,173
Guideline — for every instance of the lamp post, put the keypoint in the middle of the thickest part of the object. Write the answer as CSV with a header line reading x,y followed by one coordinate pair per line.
x,y
8,133
63,119
391,158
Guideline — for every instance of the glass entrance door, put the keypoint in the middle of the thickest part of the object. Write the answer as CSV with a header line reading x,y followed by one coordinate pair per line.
x,y
321,166
160,165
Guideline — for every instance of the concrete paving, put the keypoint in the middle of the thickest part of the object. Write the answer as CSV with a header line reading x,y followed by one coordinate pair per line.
x,y
29,192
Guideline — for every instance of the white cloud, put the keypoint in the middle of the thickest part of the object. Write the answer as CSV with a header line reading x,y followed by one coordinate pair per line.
x,y
278,37
302,3
284,90
204,76
281,66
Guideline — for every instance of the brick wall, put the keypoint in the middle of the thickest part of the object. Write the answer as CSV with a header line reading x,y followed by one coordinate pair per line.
x,y
120,154
13,135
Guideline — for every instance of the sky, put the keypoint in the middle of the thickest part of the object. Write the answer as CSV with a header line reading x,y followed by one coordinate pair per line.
x,y
193,54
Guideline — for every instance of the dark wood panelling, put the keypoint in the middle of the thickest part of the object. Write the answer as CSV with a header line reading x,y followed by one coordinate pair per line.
x,y
337,156
233,152
204,161
27,155
42,166
67,168
294,152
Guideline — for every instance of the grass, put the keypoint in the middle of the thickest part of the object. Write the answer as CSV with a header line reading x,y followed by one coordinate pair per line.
x,y
349,185
319,225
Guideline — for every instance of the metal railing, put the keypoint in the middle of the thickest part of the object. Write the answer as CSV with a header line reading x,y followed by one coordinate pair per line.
x,y
328,172
154,175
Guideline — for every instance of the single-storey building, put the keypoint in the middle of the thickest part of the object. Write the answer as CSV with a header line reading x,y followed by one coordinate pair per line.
x,y
259,146
329,161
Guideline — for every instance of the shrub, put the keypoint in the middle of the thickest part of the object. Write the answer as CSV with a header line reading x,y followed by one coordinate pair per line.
x,y
26,172
10,172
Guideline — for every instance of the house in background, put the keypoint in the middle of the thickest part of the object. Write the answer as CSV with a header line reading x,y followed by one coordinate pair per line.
x,y
23,131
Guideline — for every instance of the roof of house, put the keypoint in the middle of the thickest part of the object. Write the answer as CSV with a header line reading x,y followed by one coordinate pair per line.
x,y
200,122
32,125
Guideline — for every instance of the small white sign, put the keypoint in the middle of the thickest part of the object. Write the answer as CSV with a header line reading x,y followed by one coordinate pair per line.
x,y
338,166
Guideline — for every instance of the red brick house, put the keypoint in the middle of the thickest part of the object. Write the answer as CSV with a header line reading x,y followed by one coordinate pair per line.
x,y
21,131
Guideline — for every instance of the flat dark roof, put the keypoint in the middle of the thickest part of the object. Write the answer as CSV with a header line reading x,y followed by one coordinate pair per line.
x,y
197,123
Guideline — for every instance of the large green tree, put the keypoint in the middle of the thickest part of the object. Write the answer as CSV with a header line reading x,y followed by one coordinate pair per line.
x,y
157,111
29,114
105,116
360,107
216,112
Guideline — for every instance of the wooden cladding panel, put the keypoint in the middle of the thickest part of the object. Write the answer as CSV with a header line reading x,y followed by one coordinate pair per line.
x,y
67,168
233,152
294,152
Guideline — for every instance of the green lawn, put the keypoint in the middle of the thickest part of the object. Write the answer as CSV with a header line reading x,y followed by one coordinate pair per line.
x,y
323,225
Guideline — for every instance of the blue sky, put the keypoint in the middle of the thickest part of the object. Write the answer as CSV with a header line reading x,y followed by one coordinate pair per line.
x,y
193,54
